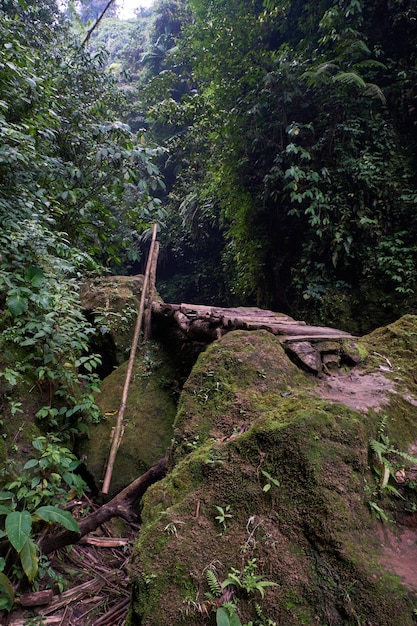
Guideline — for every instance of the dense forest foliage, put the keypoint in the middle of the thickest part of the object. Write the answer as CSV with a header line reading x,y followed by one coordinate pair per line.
x,y
292,137
76,184
273,141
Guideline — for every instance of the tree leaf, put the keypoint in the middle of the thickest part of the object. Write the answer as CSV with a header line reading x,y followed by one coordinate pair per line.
x,y
18,526
222,617
34,275
17,304
56,515
7,593
29,559
234,620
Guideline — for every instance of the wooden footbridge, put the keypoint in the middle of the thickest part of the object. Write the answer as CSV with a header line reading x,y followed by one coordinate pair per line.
x,y
317,348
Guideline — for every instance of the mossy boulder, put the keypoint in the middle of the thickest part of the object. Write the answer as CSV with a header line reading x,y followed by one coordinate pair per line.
x,y
19,427
112,303
148,419
269,477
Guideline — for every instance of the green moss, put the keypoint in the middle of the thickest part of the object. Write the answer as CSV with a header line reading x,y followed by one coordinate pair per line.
x,y
3,452
243,375
311,531
113,301
148,419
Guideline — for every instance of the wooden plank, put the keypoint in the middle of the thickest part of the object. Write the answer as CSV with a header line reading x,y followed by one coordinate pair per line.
x,y
315,338
209,322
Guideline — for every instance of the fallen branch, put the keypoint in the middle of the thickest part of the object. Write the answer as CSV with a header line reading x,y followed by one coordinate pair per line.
x,y
119,506
114,614
104,542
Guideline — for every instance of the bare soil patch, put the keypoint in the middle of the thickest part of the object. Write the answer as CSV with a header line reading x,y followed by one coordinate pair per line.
x,y
360,391
399,554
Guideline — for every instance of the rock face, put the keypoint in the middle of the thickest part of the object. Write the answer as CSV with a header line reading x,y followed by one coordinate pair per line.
x,y
113,302
148,423
272,481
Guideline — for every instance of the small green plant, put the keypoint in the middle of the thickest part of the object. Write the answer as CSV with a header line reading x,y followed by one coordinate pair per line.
x,y
35,621
148,578
247,579
29,506
46,571
222,600
214,457
379,512
386,468
19,528
193,445
48,479
270,481
384,449
224,515
226,616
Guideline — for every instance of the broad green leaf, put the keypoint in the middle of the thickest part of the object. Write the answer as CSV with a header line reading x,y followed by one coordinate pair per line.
x,y
34,275
29,559
17,304
234,620
58,516
7,593
38,443
18,526
30,463
222,617
5,510
6,495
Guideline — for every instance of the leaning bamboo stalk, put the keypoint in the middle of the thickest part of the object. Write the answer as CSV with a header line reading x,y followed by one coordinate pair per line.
x,y
119,424
147,326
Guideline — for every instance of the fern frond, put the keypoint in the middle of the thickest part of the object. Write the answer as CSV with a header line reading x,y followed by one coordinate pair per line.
x,y
213,583
350,78
404,455
375,92
380,449
370,63
383,424
320,73
358,46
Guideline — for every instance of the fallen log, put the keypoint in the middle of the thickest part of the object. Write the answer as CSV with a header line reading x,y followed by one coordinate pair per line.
x,y
119,506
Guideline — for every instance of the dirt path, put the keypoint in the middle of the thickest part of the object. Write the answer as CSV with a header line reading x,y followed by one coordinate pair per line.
x,y
359,390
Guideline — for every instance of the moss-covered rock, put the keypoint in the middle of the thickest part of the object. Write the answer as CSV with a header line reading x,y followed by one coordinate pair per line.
x,y
113,304
267,474
148,419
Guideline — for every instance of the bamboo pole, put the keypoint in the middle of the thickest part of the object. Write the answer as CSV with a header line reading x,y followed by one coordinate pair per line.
x,y
119,424
147,330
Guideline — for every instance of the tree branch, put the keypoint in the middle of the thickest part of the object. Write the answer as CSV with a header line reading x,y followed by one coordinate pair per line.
x,y
94,26
120,506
